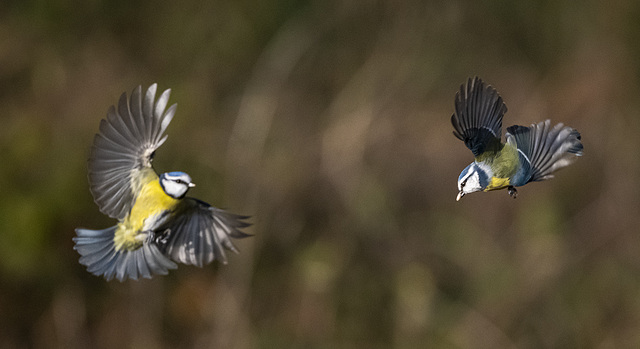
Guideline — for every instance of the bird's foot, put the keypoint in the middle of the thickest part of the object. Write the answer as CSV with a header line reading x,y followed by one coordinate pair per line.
x,y
512,191
161,238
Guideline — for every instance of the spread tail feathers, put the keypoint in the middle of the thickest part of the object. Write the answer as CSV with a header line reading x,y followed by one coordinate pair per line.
x,y
547,149
101,258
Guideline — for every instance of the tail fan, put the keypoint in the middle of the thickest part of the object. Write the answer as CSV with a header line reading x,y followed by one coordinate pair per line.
x,y
547,149
99,255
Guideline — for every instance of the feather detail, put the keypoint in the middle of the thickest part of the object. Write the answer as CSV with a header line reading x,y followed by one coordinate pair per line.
x,y
99,255
124,148
200,233
547,149
478,116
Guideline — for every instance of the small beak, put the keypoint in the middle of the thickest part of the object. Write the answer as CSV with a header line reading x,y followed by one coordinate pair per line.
x,y
460,195
191,185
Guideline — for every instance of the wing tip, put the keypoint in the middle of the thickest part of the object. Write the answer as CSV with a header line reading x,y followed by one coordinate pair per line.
x,y
478,106
130,129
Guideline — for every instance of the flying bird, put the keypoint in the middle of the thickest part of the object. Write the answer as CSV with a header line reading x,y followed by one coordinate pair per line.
x,y
158,224
529,154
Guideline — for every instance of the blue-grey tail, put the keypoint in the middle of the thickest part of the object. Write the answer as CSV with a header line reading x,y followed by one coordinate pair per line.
x,y
545,149
99,255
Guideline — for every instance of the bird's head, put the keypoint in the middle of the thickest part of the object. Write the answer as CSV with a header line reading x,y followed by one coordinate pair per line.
x,y
474,177
176,184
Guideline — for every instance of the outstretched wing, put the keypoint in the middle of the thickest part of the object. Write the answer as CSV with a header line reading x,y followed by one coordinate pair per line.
x,y
123,149
478,116
199,232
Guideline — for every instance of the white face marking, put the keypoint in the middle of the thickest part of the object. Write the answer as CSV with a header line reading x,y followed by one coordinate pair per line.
x,y
470,183
176,184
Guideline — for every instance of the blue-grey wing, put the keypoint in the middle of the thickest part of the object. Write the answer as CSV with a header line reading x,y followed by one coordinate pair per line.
x,y
123,149
477,120
199,233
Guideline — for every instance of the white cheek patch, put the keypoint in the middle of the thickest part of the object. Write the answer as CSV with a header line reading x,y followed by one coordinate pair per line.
x,y
473,183
476,180
174,189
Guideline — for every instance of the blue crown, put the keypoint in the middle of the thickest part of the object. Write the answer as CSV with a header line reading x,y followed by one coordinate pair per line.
x,y
176,173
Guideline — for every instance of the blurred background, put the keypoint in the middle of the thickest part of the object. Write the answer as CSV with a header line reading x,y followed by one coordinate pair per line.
x,y
328,123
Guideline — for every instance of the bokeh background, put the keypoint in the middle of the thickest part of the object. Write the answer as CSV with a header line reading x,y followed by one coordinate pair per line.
x,y
328,123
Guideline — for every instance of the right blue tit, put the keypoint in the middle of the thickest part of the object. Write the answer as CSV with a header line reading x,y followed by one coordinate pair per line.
x,y
530,153
157,223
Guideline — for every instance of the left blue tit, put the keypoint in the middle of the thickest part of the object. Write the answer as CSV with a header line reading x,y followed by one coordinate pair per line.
x,y
530,153
157,223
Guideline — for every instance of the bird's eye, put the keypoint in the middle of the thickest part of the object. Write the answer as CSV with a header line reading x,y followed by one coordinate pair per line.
x,y
463,183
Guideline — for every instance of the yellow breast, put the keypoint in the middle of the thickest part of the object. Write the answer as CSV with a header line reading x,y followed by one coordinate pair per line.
x,y
150,203
497,183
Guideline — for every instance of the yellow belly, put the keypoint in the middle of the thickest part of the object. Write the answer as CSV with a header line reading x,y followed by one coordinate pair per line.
x,y
497,183
152,201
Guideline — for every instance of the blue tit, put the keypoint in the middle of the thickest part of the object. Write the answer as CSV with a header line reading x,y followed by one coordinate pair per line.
x,y
530,153
158,224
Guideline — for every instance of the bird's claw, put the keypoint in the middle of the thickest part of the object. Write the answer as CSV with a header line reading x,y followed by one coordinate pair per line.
x,y
512,191
162,237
